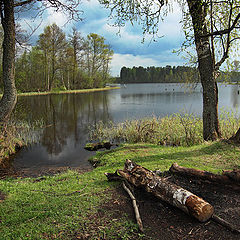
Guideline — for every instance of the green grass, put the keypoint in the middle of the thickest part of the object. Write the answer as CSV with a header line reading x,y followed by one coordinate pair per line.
x,y
66,91
50,207
209,156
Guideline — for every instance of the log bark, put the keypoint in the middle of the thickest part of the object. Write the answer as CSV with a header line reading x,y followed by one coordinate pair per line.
x,y
167,191
233,175
228,177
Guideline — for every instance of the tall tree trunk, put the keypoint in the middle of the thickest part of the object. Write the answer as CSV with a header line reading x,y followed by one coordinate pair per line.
x,y
211,129
9,98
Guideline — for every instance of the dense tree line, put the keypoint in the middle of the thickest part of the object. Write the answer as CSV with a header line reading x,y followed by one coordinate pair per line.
x,y
63,62
168,74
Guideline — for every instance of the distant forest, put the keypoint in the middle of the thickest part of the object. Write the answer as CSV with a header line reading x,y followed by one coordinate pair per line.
x,y
168,74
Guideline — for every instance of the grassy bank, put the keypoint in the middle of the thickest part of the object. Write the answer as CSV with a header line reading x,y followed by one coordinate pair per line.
x,y
71,205
67,91
9,143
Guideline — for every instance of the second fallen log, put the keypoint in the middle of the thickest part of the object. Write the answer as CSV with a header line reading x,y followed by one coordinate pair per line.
x,y
167,191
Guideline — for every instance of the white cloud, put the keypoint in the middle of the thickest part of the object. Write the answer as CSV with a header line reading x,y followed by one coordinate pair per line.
x,y
56,17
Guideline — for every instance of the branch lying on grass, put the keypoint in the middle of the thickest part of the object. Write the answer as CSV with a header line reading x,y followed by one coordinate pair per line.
x,y
134,202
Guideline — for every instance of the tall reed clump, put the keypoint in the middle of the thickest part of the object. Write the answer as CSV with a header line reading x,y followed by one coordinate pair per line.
x,y
14,136
174,130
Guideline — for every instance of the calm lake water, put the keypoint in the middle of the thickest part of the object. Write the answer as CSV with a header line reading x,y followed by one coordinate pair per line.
x,y
67,117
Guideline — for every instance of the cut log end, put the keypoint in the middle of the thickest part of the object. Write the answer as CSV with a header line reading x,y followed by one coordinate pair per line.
x,y
199,208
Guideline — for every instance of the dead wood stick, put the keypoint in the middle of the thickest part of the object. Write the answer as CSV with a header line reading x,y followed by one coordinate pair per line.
x,y
137,215
225,223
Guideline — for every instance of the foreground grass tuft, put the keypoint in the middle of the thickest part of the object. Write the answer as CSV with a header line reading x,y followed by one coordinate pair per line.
x,y
71,205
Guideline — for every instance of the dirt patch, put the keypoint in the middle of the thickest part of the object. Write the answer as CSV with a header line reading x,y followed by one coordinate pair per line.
x,y
2,196
162,221
38,172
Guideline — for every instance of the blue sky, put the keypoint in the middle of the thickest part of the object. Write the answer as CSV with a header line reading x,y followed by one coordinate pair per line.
x,y
128,48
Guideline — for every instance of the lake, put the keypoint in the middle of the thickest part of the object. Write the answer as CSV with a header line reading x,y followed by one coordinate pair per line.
x,y
67,117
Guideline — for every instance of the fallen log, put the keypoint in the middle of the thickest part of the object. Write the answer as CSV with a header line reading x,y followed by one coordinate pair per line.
x,y
167,191
228,177
233,175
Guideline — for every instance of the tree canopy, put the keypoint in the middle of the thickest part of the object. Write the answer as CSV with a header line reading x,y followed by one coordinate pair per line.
x,y
64,62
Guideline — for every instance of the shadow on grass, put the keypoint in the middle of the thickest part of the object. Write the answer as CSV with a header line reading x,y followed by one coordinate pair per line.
x,y
213,155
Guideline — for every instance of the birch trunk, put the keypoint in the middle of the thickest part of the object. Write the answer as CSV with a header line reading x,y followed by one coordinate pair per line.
x,y
211,129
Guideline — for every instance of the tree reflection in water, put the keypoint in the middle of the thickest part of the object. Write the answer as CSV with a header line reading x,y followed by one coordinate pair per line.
x,y
66,119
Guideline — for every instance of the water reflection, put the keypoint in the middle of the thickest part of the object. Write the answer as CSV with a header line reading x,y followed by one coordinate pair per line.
x,y
66,118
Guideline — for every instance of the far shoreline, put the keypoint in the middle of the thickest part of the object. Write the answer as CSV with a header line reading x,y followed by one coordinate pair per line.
x,y
65,91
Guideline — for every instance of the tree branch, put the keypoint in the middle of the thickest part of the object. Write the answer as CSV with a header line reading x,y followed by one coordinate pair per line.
x,y
19,4
225,31
138,218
